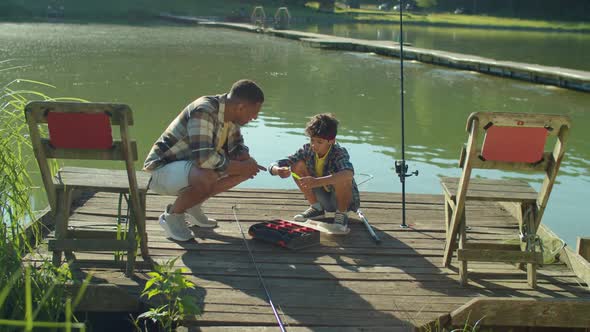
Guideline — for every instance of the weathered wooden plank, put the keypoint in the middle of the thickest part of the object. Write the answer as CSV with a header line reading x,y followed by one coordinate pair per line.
x,y
105,298
502,190
39,109
546,160
305,320
114,153
88,244
394,269
266,328
524,312
508,183
492,246
579,265
91,234
385,216
358,233
220,290
550,121
311,264
91,179
487,255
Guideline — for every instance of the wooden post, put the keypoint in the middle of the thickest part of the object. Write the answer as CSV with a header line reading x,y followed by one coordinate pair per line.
x,y
584,247
64,201
462,242
137,210
448,213
461,193
41,158
551,173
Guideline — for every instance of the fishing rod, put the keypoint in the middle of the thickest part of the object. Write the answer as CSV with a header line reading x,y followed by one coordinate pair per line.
x,y
274,310
362,216
400,165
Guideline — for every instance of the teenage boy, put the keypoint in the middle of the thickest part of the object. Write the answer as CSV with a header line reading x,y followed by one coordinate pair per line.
x,y
323,172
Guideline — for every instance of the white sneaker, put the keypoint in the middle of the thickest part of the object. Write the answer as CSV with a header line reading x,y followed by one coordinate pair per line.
x,y
198,218
175,226
335,228
340,225
311,213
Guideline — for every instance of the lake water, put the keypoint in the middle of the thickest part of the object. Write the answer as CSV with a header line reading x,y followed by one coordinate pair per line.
x,y
157,70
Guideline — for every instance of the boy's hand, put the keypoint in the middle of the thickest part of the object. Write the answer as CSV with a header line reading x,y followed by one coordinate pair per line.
x,y
283,172
309,182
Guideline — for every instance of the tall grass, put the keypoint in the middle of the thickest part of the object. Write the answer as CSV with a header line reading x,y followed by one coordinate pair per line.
x,y
20,285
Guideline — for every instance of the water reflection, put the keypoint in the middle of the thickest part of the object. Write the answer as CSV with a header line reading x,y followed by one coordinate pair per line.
x,y
158,70
559,49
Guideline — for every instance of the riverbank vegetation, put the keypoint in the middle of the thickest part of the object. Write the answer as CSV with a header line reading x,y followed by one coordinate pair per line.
x,y
505,14
30,296
460,17
33,292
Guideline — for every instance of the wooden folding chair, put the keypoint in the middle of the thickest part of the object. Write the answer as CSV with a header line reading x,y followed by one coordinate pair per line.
x,y
511,141
84,131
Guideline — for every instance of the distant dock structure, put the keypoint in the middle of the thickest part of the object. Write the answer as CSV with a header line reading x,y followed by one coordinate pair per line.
x,y
561,77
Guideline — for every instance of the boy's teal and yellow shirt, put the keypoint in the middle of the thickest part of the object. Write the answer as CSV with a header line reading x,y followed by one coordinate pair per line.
x,y
336,161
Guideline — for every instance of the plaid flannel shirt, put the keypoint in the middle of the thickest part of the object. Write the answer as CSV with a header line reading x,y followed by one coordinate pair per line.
x,y
194,134
336,161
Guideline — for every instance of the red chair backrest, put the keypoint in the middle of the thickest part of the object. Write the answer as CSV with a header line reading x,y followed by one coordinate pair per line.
x,y
69,130
514,144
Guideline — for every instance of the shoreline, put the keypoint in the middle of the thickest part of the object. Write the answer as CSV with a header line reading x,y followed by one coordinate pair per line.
x,y
572,79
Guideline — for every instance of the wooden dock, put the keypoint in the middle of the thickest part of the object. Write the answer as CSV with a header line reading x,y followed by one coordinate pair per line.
x,y
345,284
556,76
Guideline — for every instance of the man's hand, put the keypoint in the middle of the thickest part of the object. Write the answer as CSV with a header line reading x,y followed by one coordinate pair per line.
x,y
283,172
250,168
242,156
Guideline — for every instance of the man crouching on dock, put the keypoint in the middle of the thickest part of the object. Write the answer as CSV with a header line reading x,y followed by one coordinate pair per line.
x,y
202,154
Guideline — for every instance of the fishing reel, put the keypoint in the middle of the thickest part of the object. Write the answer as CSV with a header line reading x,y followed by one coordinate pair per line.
x,y
401,168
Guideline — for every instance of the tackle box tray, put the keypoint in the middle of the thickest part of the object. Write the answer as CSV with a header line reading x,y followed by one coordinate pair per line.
x,y
285,234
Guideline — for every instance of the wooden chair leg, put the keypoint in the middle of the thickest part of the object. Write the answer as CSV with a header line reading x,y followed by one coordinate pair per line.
x,y
531,273
448,213
64,201
139,222
529,221
132,245
141,229
462,241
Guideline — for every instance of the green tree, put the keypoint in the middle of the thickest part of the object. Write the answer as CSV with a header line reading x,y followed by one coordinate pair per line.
x,y
426,3
327,5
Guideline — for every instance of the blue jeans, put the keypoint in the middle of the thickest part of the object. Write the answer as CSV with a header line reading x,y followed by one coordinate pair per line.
x,y
327,199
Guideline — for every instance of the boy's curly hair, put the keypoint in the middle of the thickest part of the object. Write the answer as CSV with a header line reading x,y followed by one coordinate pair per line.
x,y
322,125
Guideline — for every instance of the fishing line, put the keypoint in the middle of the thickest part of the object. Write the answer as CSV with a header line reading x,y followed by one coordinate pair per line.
x,y
274,310
369,178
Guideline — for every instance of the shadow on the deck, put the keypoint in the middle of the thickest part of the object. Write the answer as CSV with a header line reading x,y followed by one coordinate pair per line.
x,y
327,285
345,284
